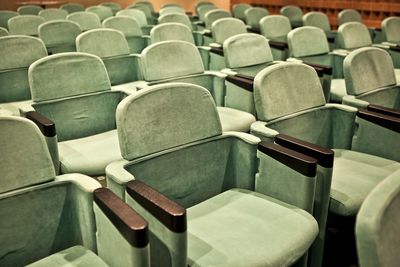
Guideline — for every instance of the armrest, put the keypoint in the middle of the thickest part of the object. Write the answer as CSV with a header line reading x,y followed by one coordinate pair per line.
x,y
129,223
388,122
169,213
299,162
340,52
217,50
354,102
46,126
278,45
200,23
208,34
320,68
253,30
324,156
395,48
330,39
386,111
242,82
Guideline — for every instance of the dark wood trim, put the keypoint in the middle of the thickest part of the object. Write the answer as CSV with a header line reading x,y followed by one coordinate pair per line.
x,y
395,48
208,34
299,162
168,212
278,45
385,121
386,111
46,126
325,156
202,24
244,83
217,50
319,67
128,222
189,13
330,39
254,30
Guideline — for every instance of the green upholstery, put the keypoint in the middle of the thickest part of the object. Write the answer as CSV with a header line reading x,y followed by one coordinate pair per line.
x,y
276,28
317,19
59,35
147,9
85,20
353,35
102,11
72,7
202,10
3,32
349,15
171,31
200,4
5,15
115,7
25,25
389,29
294,13
377,225
171,10
140,16
145,3
224,28
29,10
53,14
214,15
238,10
254,15
177,18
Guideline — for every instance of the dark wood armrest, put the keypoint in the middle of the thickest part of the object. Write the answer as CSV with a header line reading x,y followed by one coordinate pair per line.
x,y
129,223
324,155
193,18
244,83
208,34
395,48
319,67
168,212
46,126
217,50
330,39
386,111
389,122
254,30
201,23
299,162
378,29
189,13
278,45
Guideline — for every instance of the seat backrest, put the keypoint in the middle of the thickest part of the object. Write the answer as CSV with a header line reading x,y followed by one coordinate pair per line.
x,y
146,3
307,41
213,15
102,11
29,10
53,14
275,26
285,88
317,19
198,8
136,14
178,59
144,8
59,32
3,32
170,104
353,35
224,28
25,25
171,5
115,7
172,10
171,31
5,15
85,20
239,9
17,53
177,18
127,25
246,49
390,27
254,15
366,69
349,15
72,7
294,13
202,10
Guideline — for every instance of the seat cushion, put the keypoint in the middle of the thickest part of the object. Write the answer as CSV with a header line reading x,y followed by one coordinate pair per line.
x,y
235,120
89,155
74,256
355,174
338,90
245,228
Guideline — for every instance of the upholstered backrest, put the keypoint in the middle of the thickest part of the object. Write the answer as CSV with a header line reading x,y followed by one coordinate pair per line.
x,y
171,10
25,25
67,74
3,32
59,32
29,10
254,15
25,157
286,88
390,28
353,35
178,59
239,9
102,11
127,25
200,5
171,31
292,12
53,14
213,15
144,8
145,3
85,20
246,49
102,43
317,19
5,15
274,26
202,10
138,15
147,121
366,69
307,41
349,15
72,7
175,17
224,28
115,7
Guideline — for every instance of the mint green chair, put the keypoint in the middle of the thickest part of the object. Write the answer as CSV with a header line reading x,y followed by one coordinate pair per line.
x,y
72,7
53,14
352,15
294,14
321,20
3,32
172,10
139,16
147,9
209,18
390,31
17,53
175,18
5,15
200,4
60,220
86,20
377,225
25,25
132,31
103,12
238,10
253,16
29,10
59,35
207,201
73,90
115,7
111,46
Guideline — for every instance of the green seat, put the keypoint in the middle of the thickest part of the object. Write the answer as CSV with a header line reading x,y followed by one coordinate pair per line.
x,y
85,20
53,14
175,18
229,204
115,7
171,31
321,20
103,12
147,8
29,10
139,16
352,15
276,28
201,4
82,225
172,10
209,18
25,25
72,7
3,32
294,13
5,15
377,225
59,35
238,10
253,16
389,28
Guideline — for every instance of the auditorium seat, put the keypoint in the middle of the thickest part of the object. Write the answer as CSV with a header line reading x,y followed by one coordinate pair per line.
x,y
103,12
253,16
115,7
29,10
321,20
172,10
72,7
86,20
147,8
294,14
59,35
139,16
53,14
25,25
5,15
238,10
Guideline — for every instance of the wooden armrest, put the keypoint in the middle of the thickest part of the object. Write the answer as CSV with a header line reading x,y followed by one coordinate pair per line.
x,y
319,67
330,39
193,18
278,45
299,162
129,223
383,110
217,50
189,13
383,120
324,156
201,23
395,48
244,83
254,30
208,34
168,212
46,126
